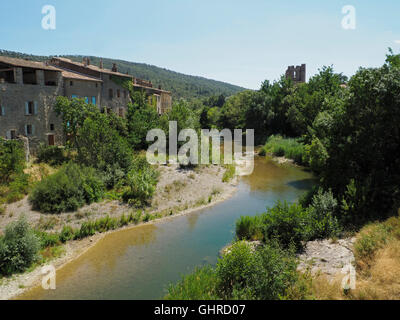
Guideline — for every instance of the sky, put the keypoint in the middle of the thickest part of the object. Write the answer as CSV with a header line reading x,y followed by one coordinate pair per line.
x,y
236,41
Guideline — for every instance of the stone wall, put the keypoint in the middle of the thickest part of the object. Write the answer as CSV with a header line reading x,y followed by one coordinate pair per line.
x,y
13,98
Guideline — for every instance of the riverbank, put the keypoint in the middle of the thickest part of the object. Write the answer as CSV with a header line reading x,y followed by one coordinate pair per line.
x,y
179,192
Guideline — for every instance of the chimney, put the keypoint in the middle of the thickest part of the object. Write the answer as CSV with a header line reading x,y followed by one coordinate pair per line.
x,y
88,61
159,87
101,64
84,61
114,68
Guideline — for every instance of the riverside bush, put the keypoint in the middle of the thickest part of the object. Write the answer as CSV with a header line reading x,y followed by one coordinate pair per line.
x,y
142,180
18,247
67,190
242,273
285,147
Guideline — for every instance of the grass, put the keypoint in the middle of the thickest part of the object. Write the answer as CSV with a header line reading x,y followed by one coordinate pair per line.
x,y
285,147
229,173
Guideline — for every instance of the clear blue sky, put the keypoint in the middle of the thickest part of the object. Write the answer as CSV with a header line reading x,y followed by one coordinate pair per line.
x,y
241,42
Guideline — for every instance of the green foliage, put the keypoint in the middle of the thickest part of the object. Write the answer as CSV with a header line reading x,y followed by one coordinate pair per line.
x,y
12,159
200,285
229,173
47,239
52,155
142,181
67,234
67,190
249,228
18,247
286,147
242,273
141,118
17,188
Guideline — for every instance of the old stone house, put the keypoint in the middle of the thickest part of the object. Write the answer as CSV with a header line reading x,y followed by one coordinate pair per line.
x,y
28,91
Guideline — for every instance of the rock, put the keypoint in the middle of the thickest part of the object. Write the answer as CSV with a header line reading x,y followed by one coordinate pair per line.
x,y
326,257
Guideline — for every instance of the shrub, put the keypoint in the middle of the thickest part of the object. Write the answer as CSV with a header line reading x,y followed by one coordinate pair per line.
x,y
200,285
249,228
67,234
322,222
285,147
17,188
286,224
51,155
18,247
12,159
245,273
67,190
141,181
47,239
229,173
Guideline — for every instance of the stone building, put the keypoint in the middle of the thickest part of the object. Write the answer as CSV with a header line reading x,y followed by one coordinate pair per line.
x,y
28,91
297,74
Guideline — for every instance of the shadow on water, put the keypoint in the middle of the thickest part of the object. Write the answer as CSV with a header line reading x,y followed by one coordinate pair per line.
x,y
305,184
140,262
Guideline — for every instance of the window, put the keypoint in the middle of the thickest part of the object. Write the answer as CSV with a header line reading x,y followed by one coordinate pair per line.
x,y
121,112
52,127
30,108
94,100
74,96
13,134
111,93
29,130
97,85
87,100
71,83
2,111
118,93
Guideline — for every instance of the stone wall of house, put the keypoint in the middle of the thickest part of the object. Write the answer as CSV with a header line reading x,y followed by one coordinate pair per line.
x,y
43,120
83,89
114,103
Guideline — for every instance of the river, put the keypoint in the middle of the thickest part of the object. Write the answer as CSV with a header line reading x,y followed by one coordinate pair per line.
x,y
140,262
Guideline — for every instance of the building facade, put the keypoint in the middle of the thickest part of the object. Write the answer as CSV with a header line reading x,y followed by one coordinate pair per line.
x,y
28,92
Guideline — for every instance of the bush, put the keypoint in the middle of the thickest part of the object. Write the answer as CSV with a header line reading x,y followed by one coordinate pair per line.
x,y
141,181
12,159
18,247
285,147
51,155
200,285
47,239
67,234
229,173
287,224
241,274
17,188
249,228
322,222
67,190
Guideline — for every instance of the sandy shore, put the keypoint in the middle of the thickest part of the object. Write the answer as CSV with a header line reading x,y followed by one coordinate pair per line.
x,y
176,187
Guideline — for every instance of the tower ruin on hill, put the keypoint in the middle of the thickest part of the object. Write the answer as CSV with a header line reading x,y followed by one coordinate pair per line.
x,y
297,74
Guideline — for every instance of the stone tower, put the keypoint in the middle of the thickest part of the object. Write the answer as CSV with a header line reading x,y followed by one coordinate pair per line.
x,y
297,74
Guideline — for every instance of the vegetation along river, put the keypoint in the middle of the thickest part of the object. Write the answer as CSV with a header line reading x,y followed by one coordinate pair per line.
x,y
140,262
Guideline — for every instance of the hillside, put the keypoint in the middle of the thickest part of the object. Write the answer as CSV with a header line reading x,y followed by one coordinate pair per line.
x,y
181,85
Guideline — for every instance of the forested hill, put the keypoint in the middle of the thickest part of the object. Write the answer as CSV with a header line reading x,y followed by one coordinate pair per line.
x,y
181,85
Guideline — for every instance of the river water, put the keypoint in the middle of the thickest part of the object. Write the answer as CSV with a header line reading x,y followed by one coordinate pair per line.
x,y
140,262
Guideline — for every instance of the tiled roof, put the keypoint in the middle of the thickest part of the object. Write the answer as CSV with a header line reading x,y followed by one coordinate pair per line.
x,y
67,74
26,63
95,68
